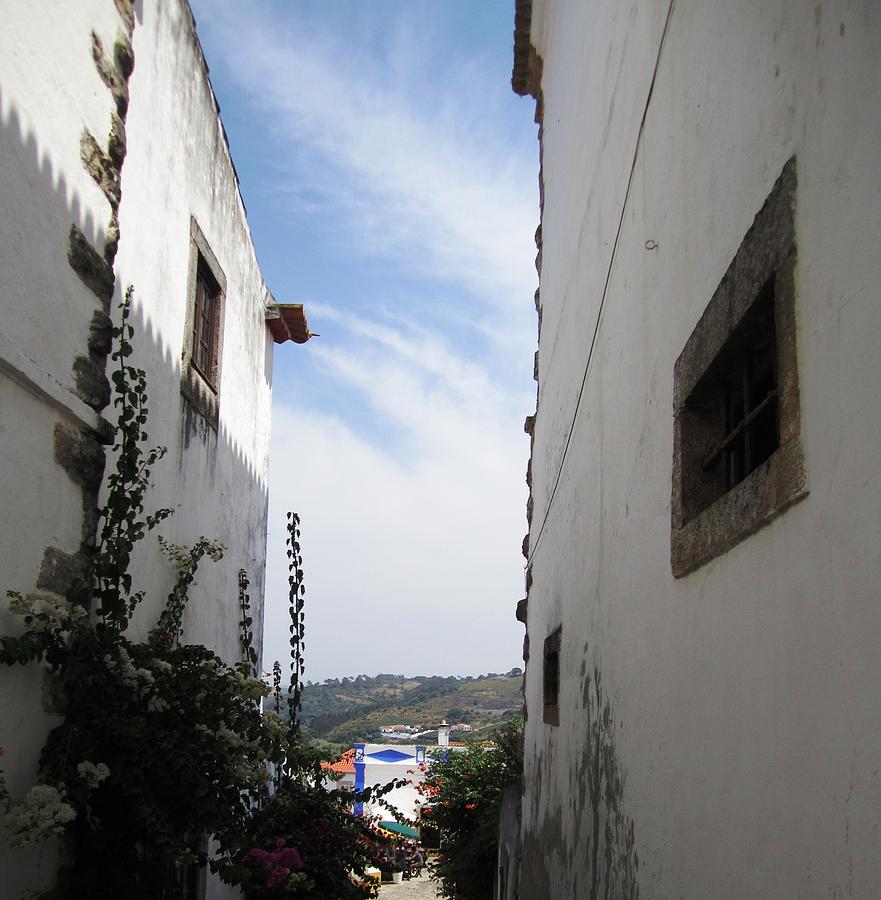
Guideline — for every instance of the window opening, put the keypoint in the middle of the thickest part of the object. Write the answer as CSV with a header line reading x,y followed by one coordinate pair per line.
x,y
737,454
206,322
735,405
551,678
202,352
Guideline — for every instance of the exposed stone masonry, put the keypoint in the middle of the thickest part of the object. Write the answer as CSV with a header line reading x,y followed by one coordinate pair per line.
x,y
80,451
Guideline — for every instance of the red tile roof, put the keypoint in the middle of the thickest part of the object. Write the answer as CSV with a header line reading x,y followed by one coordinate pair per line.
x,y
345,765
290,325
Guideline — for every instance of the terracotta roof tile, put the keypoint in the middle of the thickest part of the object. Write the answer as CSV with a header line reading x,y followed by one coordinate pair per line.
x,y
345,765
290,325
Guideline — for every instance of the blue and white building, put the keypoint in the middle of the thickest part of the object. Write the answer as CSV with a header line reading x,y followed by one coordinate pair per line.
x,y
378,764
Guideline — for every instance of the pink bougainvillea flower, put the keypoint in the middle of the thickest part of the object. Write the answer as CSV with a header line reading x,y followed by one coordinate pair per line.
x,y
321,829
290,858
276,875
278,863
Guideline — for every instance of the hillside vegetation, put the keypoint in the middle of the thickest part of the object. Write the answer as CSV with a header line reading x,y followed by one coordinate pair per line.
x,y
344,710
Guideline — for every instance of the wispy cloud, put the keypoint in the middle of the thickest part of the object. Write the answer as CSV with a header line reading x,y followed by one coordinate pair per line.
x,y
423,175
412,374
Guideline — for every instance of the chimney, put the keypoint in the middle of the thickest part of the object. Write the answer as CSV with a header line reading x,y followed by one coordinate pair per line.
x,y
443,734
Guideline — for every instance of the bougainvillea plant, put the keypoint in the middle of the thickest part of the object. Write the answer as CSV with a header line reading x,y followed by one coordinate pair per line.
x,y
163,758
162,743
304,843
461,799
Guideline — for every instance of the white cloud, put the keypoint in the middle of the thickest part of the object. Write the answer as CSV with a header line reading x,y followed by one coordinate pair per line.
x,y
412,565
414,380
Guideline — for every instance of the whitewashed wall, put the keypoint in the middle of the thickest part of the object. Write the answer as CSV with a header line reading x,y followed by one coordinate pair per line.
x,y
405,799
177,167
379,772
738,710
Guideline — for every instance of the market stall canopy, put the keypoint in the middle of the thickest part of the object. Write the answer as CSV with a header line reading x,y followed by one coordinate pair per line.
x,y
399,830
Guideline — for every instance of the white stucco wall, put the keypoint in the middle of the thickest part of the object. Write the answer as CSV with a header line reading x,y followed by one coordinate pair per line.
x,y
177,167
405,799
743,719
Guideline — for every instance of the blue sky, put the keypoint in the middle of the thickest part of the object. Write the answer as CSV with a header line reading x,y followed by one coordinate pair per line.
x,y
390,176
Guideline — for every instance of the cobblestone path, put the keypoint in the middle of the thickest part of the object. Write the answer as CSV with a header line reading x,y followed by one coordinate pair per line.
x,y
422,888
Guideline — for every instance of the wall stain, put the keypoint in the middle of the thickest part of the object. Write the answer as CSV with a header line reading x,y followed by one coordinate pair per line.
x,y
584,848
612,858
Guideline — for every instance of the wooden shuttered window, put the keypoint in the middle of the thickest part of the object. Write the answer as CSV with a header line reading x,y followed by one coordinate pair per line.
x,y
206,323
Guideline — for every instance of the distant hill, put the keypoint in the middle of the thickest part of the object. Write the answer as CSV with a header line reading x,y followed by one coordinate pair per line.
x,y
344,710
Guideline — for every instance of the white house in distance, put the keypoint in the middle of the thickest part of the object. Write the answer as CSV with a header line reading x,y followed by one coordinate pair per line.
x,y
373,765
114,170
703,557
378,764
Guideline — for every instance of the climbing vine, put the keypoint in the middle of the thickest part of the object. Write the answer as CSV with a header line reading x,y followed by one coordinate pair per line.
x,y
302,842
249,654
297,592
122,520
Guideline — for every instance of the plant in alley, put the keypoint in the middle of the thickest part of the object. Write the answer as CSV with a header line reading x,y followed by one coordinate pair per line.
x,y
462,795
303,842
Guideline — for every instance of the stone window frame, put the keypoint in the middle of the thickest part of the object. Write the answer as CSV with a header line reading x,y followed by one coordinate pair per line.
x,y
766,255
202,389
551,678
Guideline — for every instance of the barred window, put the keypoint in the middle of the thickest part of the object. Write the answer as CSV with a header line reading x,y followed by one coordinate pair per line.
x,y
734,409
737,456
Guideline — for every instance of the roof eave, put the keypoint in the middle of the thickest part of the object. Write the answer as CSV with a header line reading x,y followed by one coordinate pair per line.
x,y
287,322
